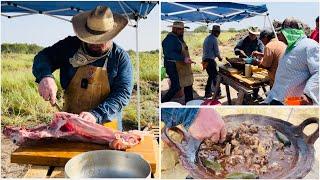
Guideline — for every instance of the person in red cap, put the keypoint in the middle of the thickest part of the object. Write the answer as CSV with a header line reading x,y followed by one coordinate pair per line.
x,y
315,33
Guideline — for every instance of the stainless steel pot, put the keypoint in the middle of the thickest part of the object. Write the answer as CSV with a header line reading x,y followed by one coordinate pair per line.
x,y
107,164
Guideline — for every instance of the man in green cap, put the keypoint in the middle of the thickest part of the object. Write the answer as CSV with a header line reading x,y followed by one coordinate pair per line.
x,y
298,71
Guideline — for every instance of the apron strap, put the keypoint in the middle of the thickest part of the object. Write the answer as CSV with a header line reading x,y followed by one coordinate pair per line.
x,y
104,67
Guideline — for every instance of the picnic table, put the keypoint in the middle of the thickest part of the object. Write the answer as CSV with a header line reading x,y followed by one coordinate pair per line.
x,y
48,160
244,85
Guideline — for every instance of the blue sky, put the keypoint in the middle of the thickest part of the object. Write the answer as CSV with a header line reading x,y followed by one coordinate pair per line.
x,y
45,31
305,11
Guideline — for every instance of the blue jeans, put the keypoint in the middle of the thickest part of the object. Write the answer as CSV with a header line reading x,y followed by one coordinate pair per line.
x,y
175,116
172,72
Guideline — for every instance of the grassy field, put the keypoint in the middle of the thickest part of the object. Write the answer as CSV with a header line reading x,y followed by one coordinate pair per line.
x,y
22,105
195,41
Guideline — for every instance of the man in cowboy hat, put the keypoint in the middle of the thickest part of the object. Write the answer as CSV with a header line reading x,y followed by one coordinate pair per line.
x,y
298,70
246,46
177,63
210,53
95,73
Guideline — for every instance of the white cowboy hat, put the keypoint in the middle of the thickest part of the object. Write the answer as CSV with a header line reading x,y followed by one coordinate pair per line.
x,y
98,25
254,30
179,24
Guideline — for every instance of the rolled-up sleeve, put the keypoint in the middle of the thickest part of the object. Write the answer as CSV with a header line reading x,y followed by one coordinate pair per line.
x,y
175,116
120,92
312,87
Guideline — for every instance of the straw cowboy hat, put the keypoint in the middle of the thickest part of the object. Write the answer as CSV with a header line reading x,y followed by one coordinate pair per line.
x,y
179,24
254,30
98,25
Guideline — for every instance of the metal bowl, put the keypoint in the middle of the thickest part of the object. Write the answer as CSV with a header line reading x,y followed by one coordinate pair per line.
x,y
107,164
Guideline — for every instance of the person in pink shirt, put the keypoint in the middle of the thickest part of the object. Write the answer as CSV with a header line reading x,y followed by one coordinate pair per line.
x,y
315,33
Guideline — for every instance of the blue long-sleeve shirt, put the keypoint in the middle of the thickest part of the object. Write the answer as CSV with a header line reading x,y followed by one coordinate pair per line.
x,y
172,48
248,46
297,73
210,48
175,116
119,69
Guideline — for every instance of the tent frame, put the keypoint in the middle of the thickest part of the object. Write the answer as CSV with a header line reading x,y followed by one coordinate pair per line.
x,y
136,18
204,10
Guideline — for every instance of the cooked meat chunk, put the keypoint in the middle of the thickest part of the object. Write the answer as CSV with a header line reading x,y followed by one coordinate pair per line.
x,y
237,151
236,159
247,152
249,148
255,168
253,129
235,142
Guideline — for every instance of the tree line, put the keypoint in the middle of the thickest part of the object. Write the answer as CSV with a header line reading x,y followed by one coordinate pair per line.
x,y
21,48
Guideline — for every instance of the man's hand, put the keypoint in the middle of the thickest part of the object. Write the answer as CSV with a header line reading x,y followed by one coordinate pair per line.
x,y
255,62
204,65
88,117
257,54
208,124
48,89
187,60
305,100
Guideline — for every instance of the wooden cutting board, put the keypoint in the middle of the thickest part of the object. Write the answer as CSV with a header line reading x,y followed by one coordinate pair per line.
x,y
58,153
251,81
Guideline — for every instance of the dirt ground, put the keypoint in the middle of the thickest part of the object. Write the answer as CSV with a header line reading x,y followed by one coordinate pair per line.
x,y
8,169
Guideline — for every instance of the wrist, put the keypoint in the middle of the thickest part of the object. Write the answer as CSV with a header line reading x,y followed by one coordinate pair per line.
x,y
38,80
192,118
97,116
308,98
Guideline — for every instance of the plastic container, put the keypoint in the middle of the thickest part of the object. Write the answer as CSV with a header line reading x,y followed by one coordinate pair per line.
x,y
247,70
249,60
194,103
293,101
171,104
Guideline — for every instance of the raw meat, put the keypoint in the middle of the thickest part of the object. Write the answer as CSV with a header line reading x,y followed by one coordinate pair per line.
x,y
72,127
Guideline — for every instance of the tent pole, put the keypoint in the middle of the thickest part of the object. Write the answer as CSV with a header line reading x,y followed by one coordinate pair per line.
x,y
138,74
272,26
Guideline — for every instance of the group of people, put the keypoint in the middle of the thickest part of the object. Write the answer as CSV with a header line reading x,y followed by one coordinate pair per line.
x,y
291,58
